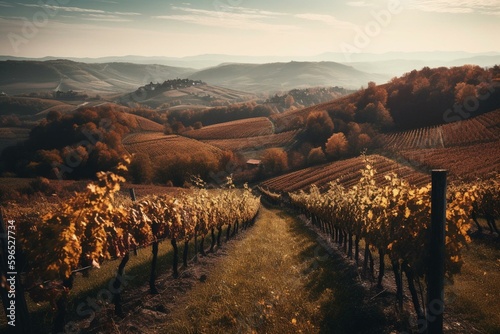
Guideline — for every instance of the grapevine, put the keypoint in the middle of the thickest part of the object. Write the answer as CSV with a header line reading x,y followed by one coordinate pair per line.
x,y
91,228
395,220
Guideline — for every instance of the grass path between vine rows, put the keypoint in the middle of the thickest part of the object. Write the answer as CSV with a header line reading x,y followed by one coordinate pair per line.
x,y
272,278
277,279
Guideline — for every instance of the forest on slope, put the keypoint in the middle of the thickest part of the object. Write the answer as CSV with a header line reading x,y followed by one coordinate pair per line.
x,y
326,132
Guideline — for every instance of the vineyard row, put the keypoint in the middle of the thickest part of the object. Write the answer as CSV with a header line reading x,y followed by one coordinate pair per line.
x,y
393,218
91,228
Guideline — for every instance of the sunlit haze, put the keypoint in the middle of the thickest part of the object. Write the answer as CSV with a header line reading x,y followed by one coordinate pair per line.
x,y
177,28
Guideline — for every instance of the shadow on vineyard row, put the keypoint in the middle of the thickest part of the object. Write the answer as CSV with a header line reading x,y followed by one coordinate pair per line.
x,y
394,221
90,303
92,227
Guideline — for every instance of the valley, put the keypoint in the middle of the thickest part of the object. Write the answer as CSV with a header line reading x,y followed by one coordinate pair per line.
x,y
257,167
294,150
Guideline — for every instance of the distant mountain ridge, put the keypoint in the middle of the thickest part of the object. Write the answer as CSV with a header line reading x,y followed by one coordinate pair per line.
x,y
286,76
420,59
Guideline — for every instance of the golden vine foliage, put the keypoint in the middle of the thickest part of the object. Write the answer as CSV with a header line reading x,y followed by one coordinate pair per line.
x,y
90,227
396,217
56,242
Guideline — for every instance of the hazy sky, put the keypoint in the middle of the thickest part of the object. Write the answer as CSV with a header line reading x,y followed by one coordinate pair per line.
x,y
95,28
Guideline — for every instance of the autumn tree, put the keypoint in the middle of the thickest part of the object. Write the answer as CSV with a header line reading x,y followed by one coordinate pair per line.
x,y
463,92
228,160
346,113
383,117
172,168
377,114
373,94
420,85
178,127
141,168
203,164
316,156
337,145
42,164
74,145
364,141
319,127
53,115
167,129
274,160
297,122
296,159
354,130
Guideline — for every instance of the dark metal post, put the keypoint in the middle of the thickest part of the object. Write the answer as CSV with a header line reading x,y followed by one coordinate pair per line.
x,y
132,194
435,274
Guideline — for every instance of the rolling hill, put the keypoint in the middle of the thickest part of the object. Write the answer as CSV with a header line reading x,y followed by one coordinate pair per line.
x,y
158,145
251,127
25,106
347,172
183,93
468,149
359,118
399,66
253,144
20,77
417,99
285,76
481,129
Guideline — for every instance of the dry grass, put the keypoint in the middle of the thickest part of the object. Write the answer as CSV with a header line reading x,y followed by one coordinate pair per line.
x,y
475,294
277,280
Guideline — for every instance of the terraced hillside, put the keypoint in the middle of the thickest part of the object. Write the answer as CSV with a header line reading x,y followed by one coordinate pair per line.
x,y
157,145
251,127
468,149
148,125
481,129
294,119
254,143
462,162
346,171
